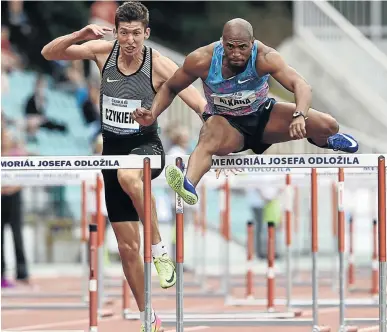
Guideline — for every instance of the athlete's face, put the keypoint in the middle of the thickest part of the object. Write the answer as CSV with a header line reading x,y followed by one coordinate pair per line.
x,y
237,49
131,36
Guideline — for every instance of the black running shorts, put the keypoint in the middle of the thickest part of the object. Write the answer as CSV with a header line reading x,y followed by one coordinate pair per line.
x,y
251,126
119,205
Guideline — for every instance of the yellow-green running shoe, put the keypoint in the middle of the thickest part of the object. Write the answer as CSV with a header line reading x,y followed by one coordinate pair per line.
x,y
166,270
156,326
179,183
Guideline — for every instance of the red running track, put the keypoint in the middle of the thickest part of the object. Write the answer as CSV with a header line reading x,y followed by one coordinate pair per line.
x,y
23,320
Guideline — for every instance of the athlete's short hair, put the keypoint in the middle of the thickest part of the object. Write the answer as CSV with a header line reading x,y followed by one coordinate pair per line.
x,y
132,11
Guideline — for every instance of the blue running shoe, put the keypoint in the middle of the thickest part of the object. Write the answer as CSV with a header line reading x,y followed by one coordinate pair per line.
x,y
180,184
343,142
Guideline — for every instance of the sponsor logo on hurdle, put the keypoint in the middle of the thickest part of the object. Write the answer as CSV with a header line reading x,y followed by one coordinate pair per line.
x,y
296,161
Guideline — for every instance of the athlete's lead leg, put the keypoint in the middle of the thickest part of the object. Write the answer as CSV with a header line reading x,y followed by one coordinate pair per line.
x,y
217,137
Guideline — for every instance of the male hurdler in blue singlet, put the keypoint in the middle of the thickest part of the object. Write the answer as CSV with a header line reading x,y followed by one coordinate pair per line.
x,y
239,114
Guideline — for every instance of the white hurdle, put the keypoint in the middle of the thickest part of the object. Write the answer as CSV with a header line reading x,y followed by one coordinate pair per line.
x,y
9,164
46,164
290,161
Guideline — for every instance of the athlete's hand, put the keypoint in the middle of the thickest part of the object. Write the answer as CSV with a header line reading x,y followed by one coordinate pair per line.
x,y
93,32
297,128
143,116
226,171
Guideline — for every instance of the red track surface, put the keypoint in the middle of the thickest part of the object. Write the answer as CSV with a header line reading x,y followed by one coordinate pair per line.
x,y
22,320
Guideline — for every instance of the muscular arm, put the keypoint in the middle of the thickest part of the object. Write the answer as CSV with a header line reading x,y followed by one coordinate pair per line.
x,y
65,48
274,64
167,69
180,80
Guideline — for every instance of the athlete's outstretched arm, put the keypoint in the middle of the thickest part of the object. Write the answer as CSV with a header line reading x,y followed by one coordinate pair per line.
x,y
167,69
288,77
180,80
65,48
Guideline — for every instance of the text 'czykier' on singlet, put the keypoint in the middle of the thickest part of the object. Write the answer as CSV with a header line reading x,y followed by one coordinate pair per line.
x,y
239,95
121,94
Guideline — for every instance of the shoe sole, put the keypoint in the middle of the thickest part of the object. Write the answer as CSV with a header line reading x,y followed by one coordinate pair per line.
x,y
175,180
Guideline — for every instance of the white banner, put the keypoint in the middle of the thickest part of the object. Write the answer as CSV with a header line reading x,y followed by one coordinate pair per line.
x,y
293,164
77,162
290,161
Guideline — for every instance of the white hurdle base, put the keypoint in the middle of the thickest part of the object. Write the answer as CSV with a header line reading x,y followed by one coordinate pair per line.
x,y
240,322
217,316
361,321
354,303
37,295
45,306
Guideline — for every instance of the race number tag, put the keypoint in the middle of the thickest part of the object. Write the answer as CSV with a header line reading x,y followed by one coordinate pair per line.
x,y
116,115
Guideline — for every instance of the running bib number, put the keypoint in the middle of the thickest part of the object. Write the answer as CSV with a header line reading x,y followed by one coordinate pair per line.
x,y
116,115
234,101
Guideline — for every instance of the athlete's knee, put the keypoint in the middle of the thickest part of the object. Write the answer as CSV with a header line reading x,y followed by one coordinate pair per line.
x,y
209,138
329,126
130,181
128,240
129,249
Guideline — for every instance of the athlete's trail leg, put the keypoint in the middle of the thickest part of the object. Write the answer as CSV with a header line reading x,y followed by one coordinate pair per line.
x,y
128,239
217,137
319,126
131,183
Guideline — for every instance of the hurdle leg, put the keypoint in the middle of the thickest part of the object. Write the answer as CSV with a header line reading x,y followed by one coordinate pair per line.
x,y
374,286
341,250
93,275
296,269
226,238
84,263
147,245
101,235
351,262
288,241
250,254
270,266
84,244
314,204
341,247
179,259
335,273
196,262
101,292
203,221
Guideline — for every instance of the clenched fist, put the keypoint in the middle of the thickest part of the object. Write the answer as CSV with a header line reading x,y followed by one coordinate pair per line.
x,y
93,32
143,116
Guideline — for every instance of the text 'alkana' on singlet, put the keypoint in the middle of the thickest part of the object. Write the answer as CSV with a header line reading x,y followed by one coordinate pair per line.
x,y
239,95
122,94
